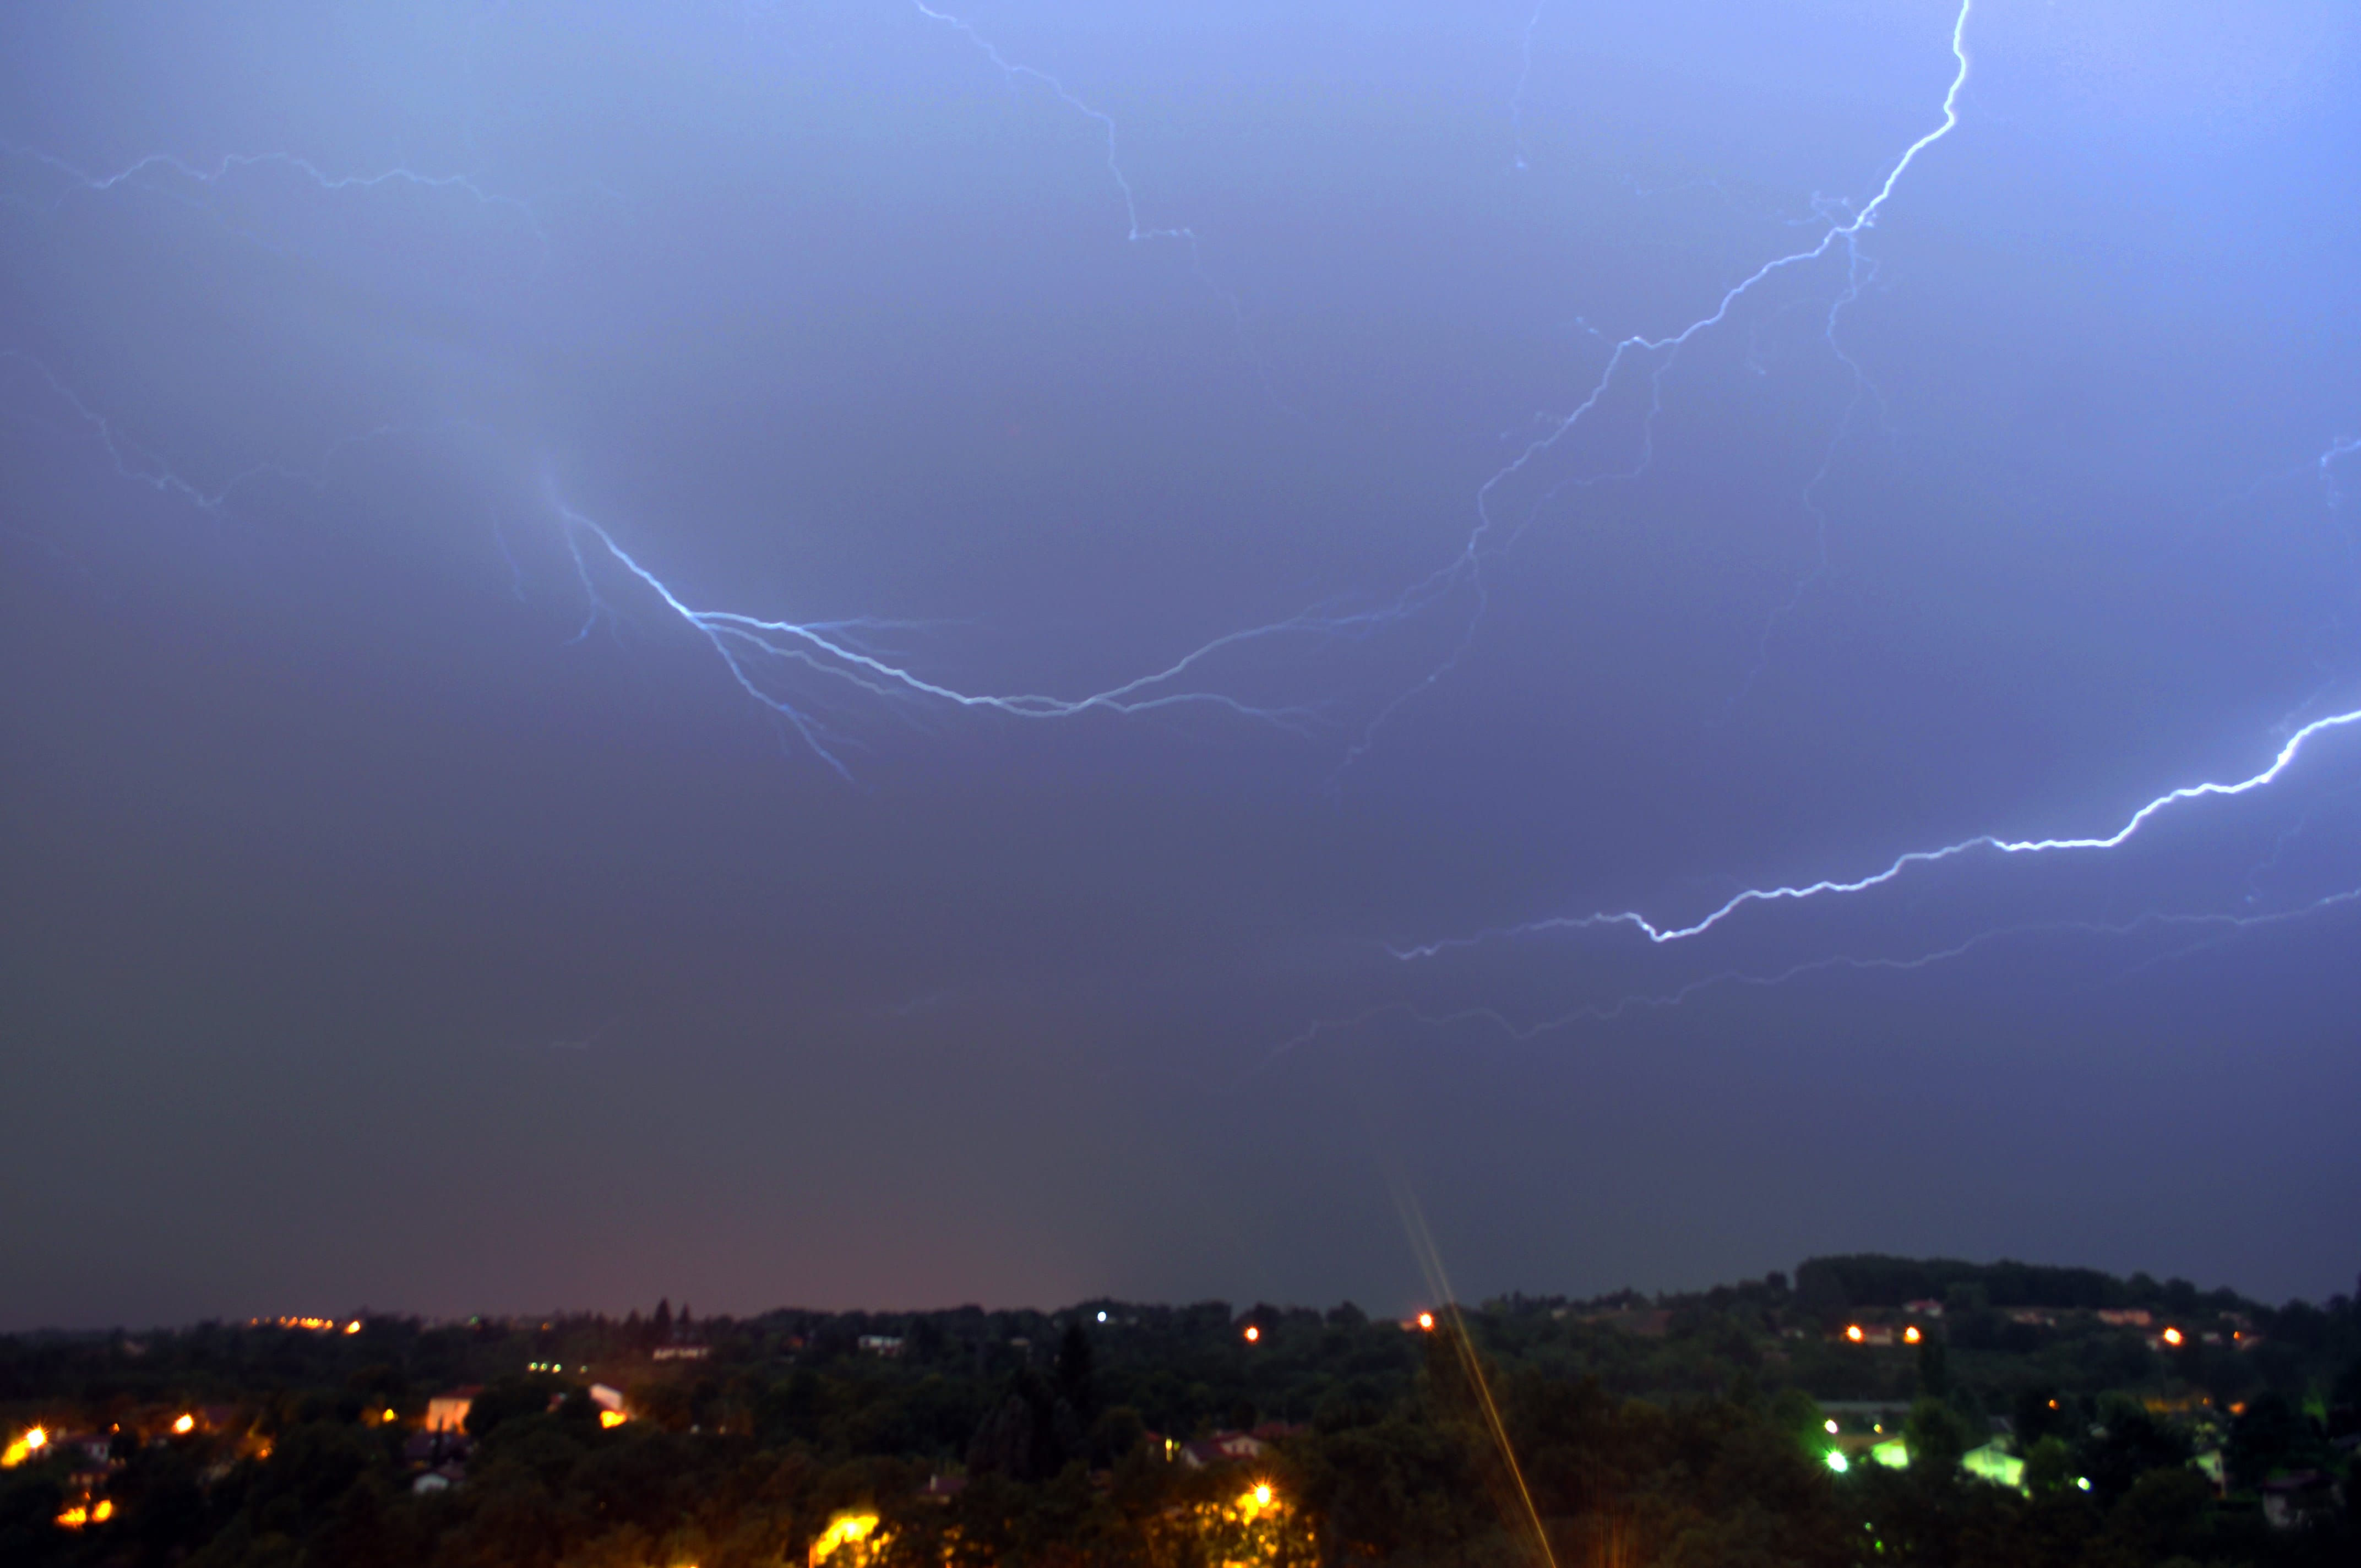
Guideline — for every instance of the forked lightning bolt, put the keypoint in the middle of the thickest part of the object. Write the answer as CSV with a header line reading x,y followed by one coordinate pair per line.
x,y
1661,934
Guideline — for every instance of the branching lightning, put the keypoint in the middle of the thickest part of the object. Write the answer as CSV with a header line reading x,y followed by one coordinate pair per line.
x,y
79,180
2218,929
1661,934
753,649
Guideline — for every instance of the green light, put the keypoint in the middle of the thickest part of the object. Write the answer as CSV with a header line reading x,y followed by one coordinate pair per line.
x,y
2083,1482
1837,1462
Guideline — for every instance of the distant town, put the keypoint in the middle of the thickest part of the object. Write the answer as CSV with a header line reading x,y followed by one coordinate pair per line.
x,y
1869,1409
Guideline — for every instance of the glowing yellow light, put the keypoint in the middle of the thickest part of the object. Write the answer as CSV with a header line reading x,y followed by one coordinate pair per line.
x,y
354,1327
391,1417
1262,1496
104,1512
1831,1426
74,1518
1253,1334
2172,1336
852,1529
1910,1334
184,1425
612,1419
1853,1332
1426,1323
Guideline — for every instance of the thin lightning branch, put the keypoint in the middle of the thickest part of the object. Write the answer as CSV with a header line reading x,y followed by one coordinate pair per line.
x,y
2225,927
1663,934
1137,230
82,182
1468,567
2342,448
1524,79
1104,121
132,460
749,645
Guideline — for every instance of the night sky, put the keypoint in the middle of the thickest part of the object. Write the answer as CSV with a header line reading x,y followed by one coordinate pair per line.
x,y
1248,524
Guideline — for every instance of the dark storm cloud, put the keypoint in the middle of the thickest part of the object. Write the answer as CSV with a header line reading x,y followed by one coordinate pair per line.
x,y
406,904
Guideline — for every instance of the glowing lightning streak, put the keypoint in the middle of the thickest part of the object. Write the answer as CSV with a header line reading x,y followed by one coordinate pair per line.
x,y
1104,121
2224,927
741,640
1468,567
213,174
1663,934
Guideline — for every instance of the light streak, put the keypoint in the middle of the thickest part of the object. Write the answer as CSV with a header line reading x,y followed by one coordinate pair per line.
x,y
1661,934
1438,1282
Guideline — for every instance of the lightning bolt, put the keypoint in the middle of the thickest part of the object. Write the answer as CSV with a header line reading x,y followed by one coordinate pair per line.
x,y
756,651
1659,351
1661,934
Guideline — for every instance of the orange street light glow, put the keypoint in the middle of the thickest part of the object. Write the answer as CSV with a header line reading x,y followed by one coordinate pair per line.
x,y
1910,1334
354,1327
184,1425
1853,1332
612,1419
1426,1323
2172,1336
1253,1334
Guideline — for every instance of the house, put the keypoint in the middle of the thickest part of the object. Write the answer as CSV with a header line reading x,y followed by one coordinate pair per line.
x,y
1222,1448
1995,1464
448,1412
2124,1317
683,1352
882,1344
441,1479
943,1488
2301,1500
1930,1307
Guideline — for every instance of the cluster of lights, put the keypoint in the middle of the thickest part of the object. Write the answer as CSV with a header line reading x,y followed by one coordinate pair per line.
x,y
315,1325
24,1447
81,1514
